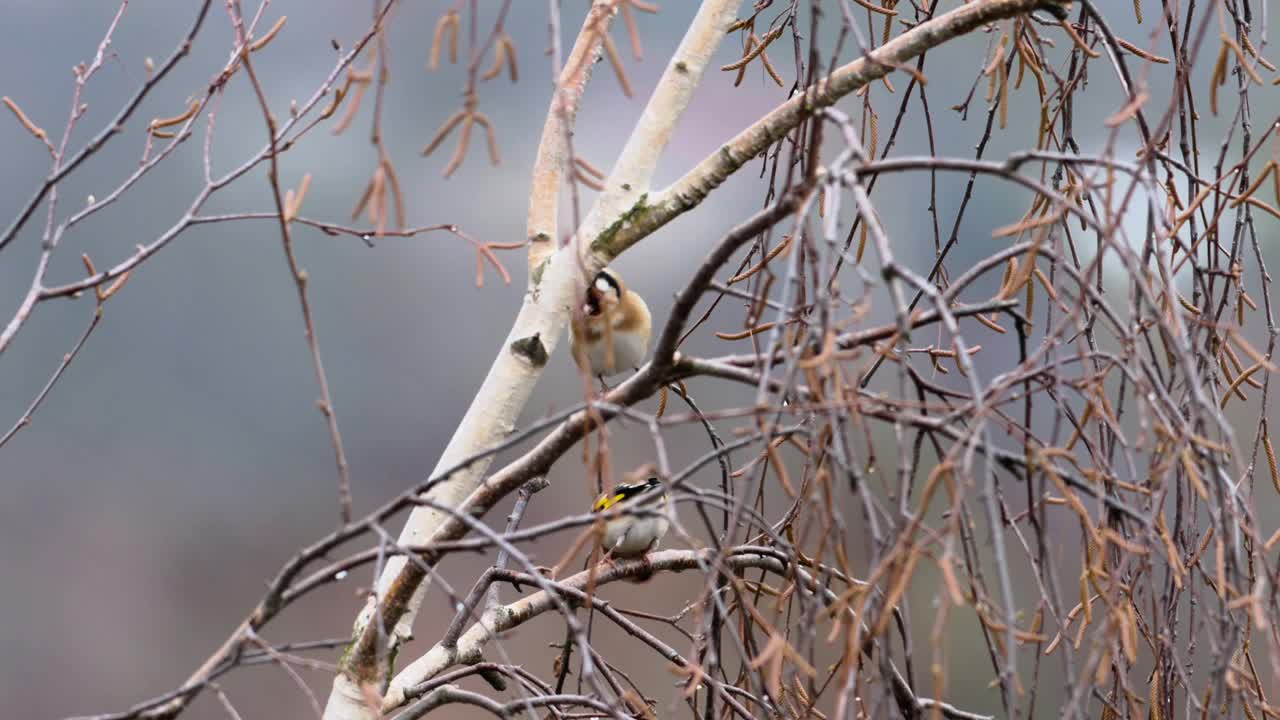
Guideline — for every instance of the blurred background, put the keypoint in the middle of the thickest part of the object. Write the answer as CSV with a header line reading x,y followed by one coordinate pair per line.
x,y
181,460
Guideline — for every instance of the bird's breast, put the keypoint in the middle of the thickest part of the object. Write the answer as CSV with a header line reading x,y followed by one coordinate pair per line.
x,y
629,350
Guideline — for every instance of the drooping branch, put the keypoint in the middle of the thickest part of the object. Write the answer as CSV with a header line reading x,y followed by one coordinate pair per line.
x,y
607,234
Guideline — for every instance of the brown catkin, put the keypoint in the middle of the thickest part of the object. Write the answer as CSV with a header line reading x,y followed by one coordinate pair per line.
x,y
1271,462
1156,710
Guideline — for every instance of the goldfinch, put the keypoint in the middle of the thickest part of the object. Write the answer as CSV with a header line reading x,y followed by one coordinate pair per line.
x,y
615,333
628,534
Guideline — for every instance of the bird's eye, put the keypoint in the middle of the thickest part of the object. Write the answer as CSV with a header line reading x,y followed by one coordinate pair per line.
x,y
603,285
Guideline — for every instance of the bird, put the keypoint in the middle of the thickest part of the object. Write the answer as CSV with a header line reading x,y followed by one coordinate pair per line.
x,y
629,534
615,333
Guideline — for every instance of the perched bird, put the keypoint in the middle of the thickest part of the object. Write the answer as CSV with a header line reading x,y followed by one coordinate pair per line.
x,y
628,534
615,334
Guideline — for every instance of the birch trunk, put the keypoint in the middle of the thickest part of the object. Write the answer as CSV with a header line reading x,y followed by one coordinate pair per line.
x,y
554,284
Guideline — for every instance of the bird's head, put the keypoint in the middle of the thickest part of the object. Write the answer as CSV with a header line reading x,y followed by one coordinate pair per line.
x,y
605,293
627,492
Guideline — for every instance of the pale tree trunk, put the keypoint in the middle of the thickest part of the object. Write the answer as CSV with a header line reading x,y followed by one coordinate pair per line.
x,y
623,214
553,285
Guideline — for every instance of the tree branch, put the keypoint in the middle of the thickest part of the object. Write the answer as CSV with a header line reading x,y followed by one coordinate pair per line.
x,y
553,159
647,215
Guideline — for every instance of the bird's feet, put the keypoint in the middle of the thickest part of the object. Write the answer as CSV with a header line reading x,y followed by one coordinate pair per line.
x,y
646,569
